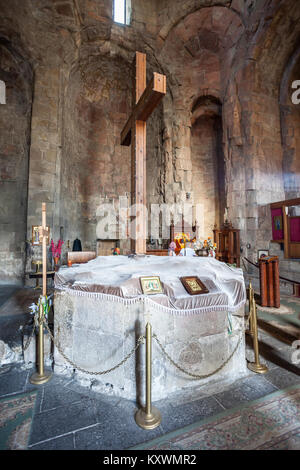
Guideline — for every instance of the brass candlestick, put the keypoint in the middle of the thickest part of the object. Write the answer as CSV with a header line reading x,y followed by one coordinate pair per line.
x,y
42,376
251,300
255,366
148,417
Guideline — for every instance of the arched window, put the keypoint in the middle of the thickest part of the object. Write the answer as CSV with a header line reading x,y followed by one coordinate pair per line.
x,y
122,11
2,92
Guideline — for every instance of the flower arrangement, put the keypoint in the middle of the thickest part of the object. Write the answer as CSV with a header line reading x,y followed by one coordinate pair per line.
x,y
172,248
56,249
205,245
46,303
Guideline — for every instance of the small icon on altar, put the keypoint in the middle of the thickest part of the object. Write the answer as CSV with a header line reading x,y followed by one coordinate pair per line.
x,y
193,285
151,285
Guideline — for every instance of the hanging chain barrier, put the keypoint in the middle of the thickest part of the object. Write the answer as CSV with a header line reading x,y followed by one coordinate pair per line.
x,y
35,325
196,376
140,341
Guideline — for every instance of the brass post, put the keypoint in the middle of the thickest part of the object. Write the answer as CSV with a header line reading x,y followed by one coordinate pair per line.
x,y
256,366
149,417
251,301
42,376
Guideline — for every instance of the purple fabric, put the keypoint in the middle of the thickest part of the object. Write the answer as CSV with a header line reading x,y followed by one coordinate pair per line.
x,y
276,234
295,229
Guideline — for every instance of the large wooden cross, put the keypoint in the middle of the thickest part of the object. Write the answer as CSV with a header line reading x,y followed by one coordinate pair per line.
x,y
145,100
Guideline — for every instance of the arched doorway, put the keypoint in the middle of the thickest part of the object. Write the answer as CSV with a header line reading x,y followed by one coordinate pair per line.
x,y
208,168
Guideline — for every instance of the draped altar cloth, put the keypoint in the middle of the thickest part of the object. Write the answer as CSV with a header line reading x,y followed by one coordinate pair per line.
x,y
116,278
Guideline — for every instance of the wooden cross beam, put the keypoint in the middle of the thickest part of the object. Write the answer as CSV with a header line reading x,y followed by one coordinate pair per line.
x,y
145,100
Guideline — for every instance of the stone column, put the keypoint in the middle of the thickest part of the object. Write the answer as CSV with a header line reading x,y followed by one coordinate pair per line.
x,y
44,164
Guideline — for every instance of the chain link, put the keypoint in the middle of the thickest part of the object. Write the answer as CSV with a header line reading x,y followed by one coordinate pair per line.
x,y
140,340
35,324
196,376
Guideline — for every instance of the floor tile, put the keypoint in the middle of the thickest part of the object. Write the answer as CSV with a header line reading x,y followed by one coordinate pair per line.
x,y
62,420
55,396
114,435
245,390
283,378
60,443
174,416
12,382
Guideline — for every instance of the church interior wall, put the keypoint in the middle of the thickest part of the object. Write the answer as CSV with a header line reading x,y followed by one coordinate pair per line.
x,y
208,169
290,128
95,166
80,99
15,118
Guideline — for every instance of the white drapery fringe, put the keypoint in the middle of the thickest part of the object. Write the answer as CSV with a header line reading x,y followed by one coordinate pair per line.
x,y
147,300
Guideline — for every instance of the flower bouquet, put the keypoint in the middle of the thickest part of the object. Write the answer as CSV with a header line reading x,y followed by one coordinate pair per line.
x,y
56,250
46,303
205,247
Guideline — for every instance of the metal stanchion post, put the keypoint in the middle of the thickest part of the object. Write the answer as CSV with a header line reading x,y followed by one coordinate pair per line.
x,y
251,300
42,376
148,417
255,366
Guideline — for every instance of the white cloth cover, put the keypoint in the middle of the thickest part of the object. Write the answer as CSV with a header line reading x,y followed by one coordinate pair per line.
x,y
187,252
117,278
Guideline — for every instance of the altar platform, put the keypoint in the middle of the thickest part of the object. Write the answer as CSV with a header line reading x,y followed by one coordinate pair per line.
x,y
100,312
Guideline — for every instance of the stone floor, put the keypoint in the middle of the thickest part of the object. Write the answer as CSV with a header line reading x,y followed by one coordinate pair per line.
x,y
68,416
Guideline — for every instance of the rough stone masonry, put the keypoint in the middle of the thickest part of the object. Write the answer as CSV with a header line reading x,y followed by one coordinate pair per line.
x,y
225,136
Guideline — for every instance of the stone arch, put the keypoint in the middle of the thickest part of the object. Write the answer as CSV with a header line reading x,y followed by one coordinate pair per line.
x,y
208,166
184,9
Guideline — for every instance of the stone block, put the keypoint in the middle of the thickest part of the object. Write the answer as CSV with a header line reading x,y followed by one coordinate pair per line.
x,y
99,334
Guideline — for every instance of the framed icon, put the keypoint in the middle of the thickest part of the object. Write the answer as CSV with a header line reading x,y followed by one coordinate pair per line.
x,y
36,238
151,285
262,254
193,285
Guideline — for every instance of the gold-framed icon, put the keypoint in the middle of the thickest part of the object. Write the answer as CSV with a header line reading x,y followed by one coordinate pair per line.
x,y
151,285
36,235
193,285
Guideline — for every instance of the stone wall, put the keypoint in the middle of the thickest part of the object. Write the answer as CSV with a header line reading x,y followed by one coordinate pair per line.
x,y
240,54
15,118
95,165
205,172
290,128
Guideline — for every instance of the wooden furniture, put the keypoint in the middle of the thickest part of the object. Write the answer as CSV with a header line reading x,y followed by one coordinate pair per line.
x,y
39,275
162,251
286,228
157,252
81,256
145,100
296,291
269,281
228,244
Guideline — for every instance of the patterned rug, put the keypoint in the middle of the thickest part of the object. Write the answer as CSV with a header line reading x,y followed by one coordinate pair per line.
x,y
15,421
269,423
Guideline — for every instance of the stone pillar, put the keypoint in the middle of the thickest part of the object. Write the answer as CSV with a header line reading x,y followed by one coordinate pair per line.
x,y
44,166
